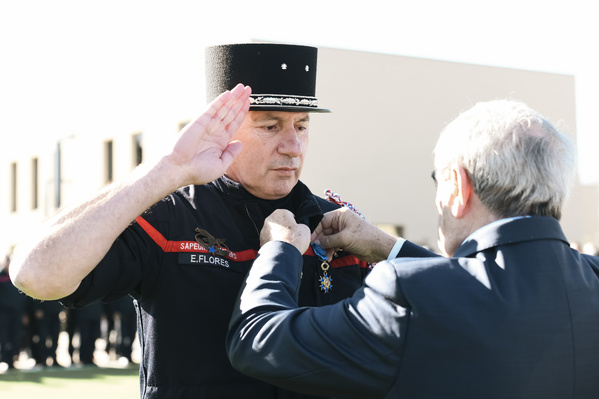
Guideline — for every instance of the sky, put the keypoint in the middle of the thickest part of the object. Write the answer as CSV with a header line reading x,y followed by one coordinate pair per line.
x,y
62,58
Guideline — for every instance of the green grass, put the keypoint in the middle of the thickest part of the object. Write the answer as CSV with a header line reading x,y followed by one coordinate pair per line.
x,y
71,383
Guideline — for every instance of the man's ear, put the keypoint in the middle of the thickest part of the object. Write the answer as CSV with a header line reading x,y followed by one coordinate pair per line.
x,y
462,191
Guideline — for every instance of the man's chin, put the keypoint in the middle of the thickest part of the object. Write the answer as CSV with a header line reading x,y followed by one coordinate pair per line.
x,y
280,189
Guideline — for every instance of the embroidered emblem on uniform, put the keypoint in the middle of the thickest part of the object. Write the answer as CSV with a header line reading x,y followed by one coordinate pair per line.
x,y
215,246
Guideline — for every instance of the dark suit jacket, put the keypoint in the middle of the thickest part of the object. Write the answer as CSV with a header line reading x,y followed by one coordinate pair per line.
x,y
515,314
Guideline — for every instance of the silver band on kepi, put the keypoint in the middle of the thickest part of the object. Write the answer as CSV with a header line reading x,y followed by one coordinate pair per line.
x,y
274,99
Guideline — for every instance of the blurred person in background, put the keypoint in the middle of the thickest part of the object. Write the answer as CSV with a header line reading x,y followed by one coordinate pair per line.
x,y
12,310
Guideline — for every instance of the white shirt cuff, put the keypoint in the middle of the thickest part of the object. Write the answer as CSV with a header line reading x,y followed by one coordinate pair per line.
x,y
396,248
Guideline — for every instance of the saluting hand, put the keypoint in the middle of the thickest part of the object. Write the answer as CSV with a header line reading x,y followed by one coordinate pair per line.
x,y
204,149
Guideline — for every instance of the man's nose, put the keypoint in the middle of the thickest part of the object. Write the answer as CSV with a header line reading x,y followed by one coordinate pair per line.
x,y
290,143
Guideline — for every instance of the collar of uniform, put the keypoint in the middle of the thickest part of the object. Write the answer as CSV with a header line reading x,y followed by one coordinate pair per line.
x,y
300,201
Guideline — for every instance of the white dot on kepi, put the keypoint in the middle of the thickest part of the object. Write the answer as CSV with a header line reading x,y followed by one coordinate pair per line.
x,y
283,66
307,68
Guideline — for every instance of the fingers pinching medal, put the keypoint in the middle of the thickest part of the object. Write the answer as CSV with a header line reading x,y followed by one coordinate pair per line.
x,y
325,280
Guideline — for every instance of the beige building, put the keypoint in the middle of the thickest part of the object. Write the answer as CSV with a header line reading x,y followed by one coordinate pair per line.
x,y
375,149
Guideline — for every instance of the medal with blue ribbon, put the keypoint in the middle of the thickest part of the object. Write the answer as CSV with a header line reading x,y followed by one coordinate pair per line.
x,y
325,280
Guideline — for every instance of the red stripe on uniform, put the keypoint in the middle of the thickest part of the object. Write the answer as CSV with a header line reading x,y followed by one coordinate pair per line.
x,y
188,246
340,262
248,254
153,233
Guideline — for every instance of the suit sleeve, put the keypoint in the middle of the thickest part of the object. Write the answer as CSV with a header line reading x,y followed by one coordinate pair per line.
x,y
411,250
351,349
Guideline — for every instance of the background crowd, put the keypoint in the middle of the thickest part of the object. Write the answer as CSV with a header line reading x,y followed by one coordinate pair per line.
x,y
30,330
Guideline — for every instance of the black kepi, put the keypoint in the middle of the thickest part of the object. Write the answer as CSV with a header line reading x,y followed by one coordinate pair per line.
x,y
282,76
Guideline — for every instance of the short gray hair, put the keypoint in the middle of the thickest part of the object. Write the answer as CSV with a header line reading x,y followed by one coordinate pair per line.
x,y
518,162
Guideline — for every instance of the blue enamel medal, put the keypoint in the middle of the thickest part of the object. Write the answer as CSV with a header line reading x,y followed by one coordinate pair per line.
x,y
325,280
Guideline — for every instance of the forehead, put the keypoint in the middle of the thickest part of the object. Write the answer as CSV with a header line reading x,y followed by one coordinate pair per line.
x,y
266,116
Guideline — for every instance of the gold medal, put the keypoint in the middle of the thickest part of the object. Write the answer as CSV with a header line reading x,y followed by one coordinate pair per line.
x,y
325,280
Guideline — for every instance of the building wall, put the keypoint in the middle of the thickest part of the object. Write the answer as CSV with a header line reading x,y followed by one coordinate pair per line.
x,y
374,149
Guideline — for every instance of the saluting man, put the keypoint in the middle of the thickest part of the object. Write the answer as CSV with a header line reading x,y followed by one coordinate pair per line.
x,y
181,234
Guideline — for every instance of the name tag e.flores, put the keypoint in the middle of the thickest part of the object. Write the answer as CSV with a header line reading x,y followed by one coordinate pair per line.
x,y
201,259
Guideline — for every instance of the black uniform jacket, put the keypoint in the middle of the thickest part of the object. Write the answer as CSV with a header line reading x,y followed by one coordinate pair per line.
x,y
184,261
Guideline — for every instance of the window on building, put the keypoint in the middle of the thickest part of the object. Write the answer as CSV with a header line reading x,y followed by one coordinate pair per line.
x,y
108,161
137,149
13,187
34,184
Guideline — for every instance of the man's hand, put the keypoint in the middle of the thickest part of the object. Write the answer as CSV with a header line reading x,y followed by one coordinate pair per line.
x,y
281,226
204,149
344,229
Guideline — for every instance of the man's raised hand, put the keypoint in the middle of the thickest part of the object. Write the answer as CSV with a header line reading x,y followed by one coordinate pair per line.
x,y
204,150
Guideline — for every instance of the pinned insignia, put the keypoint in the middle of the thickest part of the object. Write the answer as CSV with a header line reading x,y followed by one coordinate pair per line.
x,y
215,246
325,279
